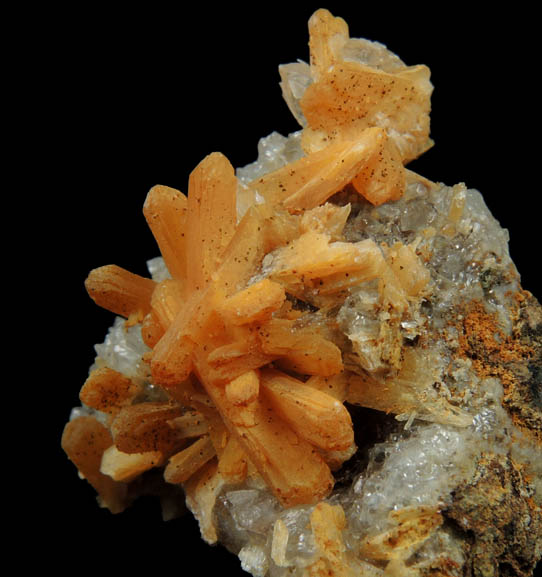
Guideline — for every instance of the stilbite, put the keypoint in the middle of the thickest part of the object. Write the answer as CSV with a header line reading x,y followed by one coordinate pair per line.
x,y
322,286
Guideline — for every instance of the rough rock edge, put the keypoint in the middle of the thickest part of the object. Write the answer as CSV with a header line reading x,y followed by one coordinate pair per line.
x,y
515,360
496,513
500,524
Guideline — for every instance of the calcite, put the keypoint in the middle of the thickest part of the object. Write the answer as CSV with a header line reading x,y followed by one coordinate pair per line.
x,y
333,359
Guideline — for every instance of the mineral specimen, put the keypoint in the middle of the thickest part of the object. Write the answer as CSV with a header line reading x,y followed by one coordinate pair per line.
x,y
334,362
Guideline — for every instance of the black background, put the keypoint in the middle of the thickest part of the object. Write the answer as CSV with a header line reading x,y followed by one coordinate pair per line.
x,y
125,100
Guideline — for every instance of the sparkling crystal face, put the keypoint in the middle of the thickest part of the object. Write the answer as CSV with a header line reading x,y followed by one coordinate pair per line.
x,y
334,355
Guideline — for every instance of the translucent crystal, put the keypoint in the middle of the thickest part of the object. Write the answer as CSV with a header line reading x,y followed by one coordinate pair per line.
x,y
157,268
122,350
274,151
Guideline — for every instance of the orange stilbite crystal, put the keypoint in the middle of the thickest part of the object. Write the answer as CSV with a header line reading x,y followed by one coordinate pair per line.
x,y
383,177
244,389
191,424
184,464
255,303
120,291
165,210
127,466
294,471
211,218
347,97
327,522
143,427
85,440
314,415
108,390
413,525
232,464
312,180
167,301
327,37
305,349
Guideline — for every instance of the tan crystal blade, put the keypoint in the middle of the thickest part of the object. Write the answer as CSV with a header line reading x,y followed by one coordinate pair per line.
x,y
212,217
151,330
292,468
351,97
311,180
328,218
190,424
144,427
184,464
279,543
312,256
314,415
327,36
303,349
218,432
108,391
232,464
201,491
84,440
233,360
327,524
335,386
405,264
255,303
366,391
413,526
245,252
321,358
165,210
126,467
120,291
244,389
383,178
167,301
172,356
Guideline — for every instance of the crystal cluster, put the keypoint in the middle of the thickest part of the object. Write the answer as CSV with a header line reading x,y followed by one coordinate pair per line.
x,y
333,361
